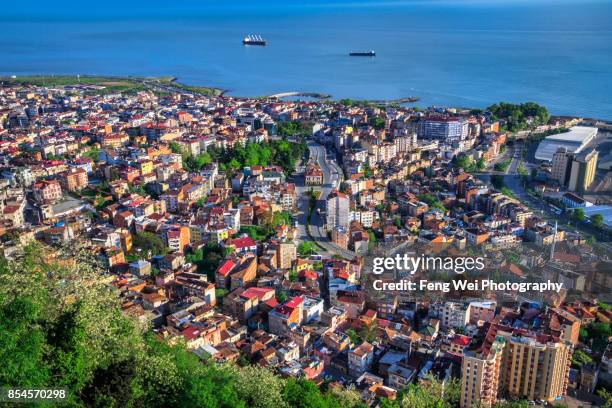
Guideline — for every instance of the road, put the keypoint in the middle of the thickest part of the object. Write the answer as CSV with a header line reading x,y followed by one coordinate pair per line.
x,y
332,177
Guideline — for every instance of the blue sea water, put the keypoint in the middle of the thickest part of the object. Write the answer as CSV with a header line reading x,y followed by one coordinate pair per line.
x,y
448,53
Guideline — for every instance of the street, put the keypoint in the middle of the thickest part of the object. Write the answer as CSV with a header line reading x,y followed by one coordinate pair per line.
x,y
332,177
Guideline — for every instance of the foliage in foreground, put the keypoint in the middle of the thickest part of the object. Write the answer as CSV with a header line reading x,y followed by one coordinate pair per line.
x,y
62,326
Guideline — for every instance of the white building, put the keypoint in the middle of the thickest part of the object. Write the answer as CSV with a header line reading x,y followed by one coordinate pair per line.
x,y
337,210
573,141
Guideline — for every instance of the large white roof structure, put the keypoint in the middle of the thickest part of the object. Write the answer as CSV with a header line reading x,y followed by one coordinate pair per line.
x,y
574,141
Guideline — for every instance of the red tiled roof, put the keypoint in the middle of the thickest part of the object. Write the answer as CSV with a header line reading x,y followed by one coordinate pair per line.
x,y
244,242
460,340
256,292
225,268
191,333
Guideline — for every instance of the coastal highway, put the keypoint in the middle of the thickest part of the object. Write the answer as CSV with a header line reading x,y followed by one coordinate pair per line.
x,y
332,177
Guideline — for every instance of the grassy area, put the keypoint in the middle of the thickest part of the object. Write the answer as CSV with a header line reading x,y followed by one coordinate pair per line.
x,y
110,84
202,90
256,232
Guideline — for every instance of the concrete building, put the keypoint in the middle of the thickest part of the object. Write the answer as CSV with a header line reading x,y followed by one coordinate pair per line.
x,y
480,373
561,162
533,366
446,128
337,210
482,310
313,175
286,317
340,237
74,179
583,171
286,253
450,314
534,369
573,141
47,191
360,359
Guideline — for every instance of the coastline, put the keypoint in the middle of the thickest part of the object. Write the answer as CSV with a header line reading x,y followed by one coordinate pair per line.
x,y
167,84
119,83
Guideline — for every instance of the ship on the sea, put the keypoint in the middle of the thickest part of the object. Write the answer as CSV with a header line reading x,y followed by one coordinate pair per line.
x,y
370,53
254,40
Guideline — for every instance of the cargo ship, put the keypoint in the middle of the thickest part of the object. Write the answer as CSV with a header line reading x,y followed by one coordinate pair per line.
x,y
362,54
254,40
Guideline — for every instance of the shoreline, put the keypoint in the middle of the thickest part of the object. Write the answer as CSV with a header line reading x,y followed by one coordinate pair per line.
x,y
141,83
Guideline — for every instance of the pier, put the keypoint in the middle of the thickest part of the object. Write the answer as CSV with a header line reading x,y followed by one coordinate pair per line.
x,y
315,95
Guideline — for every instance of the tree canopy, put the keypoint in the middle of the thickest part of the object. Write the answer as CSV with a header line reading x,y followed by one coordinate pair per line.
x,y
520,116
61,325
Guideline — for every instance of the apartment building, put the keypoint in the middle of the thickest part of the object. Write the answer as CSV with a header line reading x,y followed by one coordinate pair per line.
x,y
337,210
480,374
535,368
583,171
74,179
516,363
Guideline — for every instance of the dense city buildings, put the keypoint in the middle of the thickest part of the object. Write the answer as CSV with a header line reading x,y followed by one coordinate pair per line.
x,y
243,231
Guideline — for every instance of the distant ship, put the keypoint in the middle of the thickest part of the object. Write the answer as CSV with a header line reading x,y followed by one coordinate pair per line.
x,y
363,54
254,40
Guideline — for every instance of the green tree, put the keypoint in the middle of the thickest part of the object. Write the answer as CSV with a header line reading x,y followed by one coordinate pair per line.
x,y
369,331
377,123
306,248
303,394
597,220
259,388
513,404
355,339
93,154
207,258
520,116
149,243
22,344
597,335
176,148
397,221
578,215
607,397
464,162
432,201
481,164
579,358
281,296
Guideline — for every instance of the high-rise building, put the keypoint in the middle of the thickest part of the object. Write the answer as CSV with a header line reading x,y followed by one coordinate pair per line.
x,y
480,373
583,171
535,369
446,128
561,165
534,366
337,210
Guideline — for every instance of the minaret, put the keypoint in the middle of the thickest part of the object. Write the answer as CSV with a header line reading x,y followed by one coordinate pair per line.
x,y
552,249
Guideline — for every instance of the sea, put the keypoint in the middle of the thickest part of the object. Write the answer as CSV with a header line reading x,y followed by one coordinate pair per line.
x,y
456,53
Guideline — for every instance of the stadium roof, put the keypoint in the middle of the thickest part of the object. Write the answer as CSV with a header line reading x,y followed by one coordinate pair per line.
x,y
574,141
